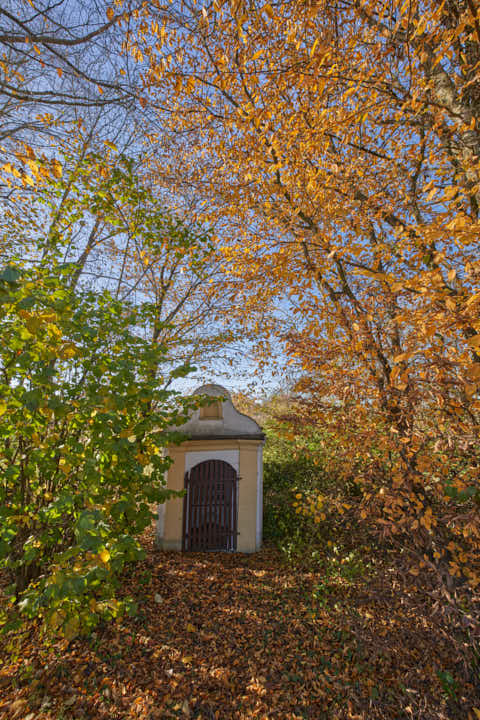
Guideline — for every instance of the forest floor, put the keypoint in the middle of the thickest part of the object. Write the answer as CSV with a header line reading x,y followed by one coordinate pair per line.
x,y
231,636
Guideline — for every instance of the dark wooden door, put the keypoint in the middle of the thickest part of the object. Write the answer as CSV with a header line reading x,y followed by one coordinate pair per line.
x,y
210,507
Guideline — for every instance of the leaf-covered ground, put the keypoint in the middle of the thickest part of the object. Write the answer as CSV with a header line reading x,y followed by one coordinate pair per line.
x,y
222,636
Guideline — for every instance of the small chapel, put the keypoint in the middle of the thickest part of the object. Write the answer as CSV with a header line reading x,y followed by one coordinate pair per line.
x,y
220,467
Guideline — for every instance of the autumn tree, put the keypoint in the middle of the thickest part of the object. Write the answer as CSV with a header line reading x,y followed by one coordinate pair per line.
x,y
337,149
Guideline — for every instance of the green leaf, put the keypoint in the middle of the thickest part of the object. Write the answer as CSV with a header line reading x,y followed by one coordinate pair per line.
x,y
10,275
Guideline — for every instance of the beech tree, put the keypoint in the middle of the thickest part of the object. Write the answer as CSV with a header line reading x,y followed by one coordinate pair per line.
x,y
336,146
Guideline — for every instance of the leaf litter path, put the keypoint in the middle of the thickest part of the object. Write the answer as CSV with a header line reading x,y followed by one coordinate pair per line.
x,y
229,636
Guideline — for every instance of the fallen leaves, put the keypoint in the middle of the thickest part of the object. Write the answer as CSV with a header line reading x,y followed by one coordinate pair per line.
x,y
239,637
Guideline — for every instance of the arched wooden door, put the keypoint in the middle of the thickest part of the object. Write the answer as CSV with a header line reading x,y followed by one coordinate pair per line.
x,y
210,507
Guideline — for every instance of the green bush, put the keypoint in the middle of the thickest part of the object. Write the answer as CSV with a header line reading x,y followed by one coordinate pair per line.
x,y
289,471
83,425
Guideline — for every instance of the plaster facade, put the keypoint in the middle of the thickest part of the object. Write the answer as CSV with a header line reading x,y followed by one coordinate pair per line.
x,y
233,438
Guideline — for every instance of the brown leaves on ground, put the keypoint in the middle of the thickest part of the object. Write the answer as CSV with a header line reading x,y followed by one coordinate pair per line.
x,y
222,636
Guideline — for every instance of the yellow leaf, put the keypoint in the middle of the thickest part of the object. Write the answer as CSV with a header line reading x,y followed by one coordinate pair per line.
x,y
449,192
269,10
33,166
54,330
187,659
473,299
69,350
110,13
474,341
110,144
104,555
191,628
349,92
3,408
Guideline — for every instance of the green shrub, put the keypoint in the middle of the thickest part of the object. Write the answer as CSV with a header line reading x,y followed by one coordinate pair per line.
x,y
83,425
289,471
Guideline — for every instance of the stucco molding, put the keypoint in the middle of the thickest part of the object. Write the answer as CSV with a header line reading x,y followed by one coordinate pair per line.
x,y
231,424
210,443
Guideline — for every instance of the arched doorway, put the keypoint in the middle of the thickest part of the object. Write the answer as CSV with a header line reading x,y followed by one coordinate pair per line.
x,y
210,507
